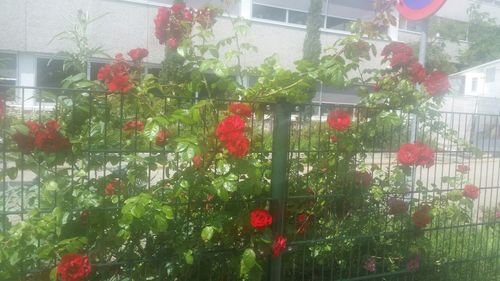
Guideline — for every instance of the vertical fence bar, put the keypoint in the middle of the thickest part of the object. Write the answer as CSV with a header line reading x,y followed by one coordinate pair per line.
x,y
279,178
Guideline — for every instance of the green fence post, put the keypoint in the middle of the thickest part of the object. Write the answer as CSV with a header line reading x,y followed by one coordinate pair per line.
x,y
279,177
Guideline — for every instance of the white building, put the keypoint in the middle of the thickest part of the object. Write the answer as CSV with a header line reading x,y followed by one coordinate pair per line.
x,y
476,90
278,27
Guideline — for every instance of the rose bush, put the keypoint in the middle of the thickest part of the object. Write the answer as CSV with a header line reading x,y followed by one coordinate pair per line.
x,y
141,180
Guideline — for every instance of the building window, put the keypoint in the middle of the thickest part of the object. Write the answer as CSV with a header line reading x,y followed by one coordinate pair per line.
x,y
8,75
269,13
474,85
490,75
50,72
297,17
338,23
410,25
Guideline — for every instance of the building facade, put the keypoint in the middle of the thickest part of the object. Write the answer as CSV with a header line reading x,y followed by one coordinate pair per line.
x,y
277,27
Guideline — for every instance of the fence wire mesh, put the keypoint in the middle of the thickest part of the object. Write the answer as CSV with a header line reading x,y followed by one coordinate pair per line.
x,y
337,229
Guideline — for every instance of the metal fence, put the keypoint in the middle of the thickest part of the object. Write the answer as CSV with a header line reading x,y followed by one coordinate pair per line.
x,y
292,142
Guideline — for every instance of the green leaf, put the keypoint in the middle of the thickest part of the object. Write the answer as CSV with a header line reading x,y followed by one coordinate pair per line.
x,y
12,173
51,186
53,274
247,263
207,233
188,257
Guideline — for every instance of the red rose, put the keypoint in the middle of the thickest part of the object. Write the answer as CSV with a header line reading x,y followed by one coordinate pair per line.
x,y
73,267
205,17
50,142
188,15
231,132
162,137
425,155
339,120
241,109
26,144
408,154
421,218
260,218
413,264
104,72
138,54
177,7
279,245
471,191
33,126
464,169
134,125
370,265
161,21
416,154
364,179
437,83
417,72
120,83
111,187
397,206
172,43
301,222
197,160
399,54
239,146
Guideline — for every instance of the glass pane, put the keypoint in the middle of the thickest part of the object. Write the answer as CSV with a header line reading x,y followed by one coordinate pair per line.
x,y
50,73
302,5
8,66
268,13
338,23
9,94
297,17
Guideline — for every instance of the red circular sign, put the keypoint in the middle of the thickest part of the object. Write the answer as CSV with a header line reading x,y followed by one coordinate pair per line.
x,y
418,9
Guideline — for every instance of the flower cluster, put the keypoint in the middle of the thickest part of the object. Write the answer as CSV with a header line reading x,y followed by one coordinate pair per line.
x,y
417,154
73,267
370,264
400,56
111,187
117,75
138,54
172,25
231,132
133,125
397,206
279,245
437,83
260,218
161,137
242,109
197,161
463,169
44,137
471,191
339,120
422,217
